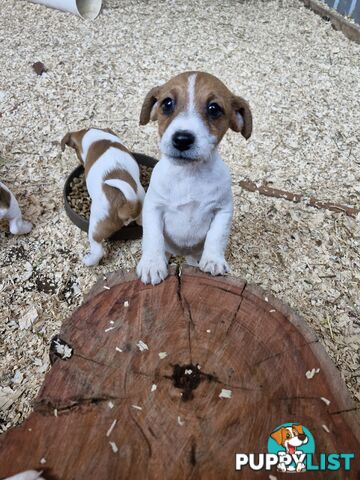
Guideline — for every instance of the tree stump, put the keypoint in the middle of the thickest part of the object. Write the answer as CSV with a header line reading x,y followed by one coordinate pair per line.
x,y
218,333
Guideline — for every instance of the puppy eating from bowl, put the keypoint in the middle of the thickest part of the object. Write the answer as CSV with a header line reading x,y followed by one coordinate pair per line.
x,y
113,182
188,206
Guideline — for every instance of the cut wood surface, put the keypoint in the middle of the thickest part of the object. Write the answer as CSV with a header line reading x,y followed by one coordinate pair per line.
x,y
118,410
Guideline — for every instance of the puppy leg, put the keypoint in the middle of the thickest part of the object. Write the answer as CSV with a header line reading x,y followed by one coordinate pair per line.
x,y
152,267
141,194
213,257
17,225
96,248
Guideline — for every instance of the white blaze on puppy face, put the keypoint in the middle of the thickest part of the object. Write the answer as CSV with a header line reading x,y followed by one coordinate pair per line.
x,y
189,120
199,104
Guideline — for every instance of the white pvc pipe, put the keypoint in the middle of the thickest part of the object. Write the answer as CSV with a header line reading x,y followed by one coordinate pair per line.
x,y
84,8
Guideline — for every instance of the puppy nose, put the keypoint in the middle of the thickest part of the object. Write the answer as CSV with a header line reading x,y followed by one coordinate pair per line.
x,y
302,436
182,140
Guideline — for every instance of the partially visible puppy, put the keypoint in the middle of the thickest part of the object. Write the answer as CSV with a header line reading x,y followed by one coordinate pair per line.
x,y
28,475
10,210
113,182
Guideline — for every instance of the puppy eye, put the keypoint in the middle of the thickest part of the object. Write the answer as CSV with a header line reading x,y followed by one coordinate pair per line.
x,y
168,105
214,110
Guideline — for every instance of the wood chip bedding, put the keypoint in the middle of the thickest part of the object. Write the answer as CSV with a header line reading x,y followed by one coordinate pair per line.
x,y
302,80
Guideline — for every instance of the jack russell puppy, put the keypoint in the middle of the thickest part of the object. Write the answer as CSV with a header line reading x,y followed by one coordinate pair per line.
x,y
113,182
10,210
188,206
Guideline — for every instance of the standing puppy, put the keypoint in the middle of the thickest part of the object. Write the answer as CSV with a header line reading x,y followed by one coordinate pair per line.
x,y
10,210
188,206
113,182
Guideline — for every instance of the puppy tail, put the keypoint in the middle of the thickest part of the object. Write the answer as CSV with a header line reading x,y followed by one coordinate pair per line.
x,y
124,188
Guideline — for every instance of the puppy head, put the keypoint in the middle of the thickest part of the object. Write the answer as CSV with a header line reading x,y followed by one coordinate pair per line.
x,y
74,140
194,110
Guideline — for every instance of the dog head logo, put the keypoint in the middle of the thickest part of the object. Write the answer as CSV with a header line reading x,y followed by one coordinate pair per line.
x,y
291,442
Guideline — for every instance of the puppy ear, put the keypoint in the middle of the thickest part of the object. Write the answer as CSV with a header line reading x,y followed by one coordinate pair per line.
x,y
278,436
149,107
73,140
108,130
66,140
241,118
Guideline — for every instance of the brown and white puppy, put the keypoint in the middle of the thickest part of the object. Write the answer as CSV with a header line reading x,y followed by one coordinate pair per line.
x,y
188,206
10,210
113,182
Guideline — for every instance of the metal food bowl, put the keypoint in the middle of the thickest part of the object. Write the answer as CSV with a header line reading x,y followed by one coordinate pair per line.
x,y
131,231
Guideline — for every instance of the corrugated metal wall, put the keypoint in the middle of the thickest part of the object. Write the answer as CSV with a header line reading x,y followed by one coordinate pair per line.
x,y
350,8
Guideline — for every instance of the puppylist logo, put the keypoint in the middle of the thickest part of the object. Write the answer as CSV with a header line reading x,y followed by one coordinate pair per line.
x,y
291,447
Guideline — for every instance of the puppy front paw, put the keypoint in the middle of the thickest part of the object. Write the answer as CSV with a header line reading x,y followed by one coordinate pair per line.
x,y
91,260
152,270
20,227
214,265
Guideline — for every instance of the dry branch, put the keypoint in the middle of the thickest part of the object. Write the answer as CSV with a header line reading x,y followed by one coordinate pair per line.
x,y
297,198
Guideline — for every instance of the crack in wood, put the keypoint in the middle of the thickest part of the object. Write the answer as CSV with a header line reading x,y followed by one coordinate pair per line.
x,y
147,441
193,453
223,289
185,308
236,312
94,361
47,407
279,354
339,412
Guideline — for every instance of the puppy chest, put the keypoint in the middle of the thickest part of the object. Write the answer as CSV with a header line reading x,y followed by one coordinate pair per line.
x,y
187,223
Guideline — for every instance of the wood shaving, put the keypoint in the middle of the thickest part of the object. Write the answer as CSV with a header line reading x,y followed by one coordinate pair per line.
x,y
114,447
325,428
180,422
162,355
26,321
43,461
106,287
136,407
325,400
62,349
126,304
142,346
118,349
311,373
112,426
110,404
153,387
272,477
109,329
225,393
18,377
